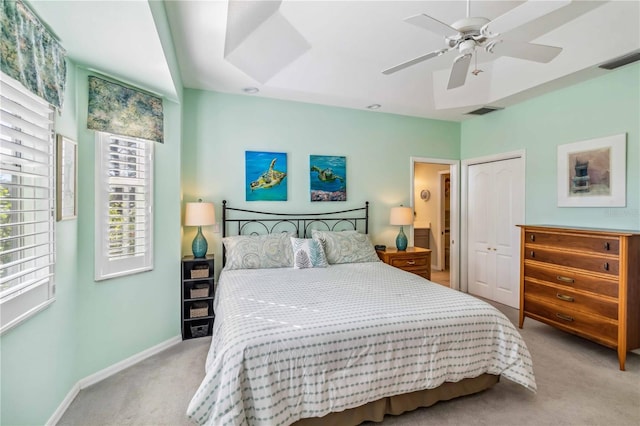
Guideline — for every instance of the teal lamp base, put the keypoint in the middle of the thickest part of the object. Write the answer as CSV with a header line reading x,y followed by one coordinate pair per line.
x,y
401,240
199,245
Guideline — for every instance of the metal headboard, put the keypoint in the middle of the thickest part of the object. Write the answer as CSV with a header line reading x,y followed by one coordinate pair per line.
x,y
251,222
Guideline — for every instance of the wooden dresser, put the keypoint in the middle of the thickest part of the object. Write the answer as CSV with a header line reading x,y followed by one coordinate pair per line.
x,y
584,281
414,259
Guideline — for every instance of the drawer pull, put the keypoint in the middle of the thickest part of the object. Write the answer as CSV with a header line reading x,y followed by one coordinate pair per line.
x,y
565,317
411,262
564,279
564,297
606,266
532,237
606,246
533,253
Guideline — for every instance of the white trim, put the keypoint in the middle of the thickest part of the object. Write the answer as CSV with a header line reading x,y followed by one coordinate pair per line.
x,y
108,372
454,167
464,210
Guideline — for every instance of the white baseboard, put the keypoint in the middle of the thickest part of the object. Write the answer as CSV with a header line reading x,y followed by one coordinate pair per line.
x,y
108,372
66,402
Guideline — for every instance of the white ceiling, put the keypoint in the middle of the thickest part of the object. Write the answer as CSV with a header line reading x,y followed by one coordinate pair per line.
x,y
333,52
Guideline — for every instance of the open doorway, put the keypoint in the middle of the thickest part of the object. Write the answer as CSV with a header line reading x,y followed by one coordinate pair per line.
x,y
436,223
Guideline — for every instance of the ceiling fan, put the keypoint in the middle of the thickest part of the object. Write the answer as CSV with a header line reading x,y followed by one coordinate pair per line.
x,y
467,34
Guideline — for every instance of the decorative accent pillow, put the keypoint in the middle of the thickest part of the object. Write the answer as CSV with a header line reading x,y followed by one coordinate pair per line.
x,y
258,251
308,253
346,246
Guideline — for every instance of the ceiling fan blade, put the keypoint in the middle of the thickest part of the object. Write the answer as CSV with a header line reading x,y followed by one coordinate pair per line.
x,y
529,51
432,24
459,71
414,61
520,15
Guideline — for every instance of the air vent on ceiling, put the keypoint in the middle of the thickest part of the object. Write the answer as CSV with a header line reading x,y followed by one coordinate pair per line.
x,y
621,61
484,110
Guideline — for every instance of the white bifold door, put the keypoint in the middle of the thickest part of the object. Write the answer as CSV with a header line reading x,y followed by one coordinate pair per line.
x,y
495,206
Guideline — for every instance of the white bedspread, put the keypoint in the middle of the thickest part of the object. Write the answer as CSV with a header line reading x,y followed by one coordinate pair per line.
x,y
294,343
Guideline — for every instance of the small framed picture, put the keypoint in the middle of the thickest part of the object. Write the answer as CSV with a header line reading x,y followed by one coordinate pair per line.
x,y
592,173
67,179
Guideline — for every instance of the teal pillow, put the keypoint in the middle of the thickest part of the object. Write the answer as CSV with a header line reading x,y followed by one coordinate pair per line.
x,y
308,253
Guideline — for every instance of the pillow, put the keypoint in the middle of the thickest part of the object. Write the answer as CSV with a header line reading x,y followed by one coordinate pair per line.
x,y
346,246
258,251
308,253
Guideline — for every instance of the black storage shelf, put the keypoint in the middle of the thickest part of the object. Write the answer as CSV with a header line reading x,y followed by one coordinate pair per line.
x,y
203,325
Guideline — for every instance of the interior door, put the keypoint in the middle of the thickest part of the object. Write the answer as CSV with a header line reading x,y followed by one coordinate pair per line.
x,y
495,207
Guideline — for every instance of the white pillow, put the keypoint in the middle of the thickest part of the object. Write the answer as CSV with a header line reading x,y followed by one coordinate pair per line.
x,y
308,253
346,246
258,251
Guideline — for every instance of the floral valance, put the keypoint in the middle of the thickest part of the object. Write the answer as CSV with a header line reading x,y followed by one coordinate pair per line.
x,y
124,111
30,54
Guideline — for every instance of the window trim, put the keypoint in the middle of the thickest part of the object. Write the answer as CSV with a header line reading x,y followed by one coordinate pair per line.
x,y
104,267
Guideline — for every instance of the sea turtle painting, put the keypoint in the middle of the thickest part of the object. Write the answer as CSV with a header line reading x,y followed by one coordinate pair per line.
x,y
326,175
266,175
268,179
328,178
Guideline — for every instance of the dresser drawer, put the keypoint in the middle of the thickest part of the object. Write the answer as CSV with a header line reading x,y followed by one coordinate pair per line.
x,y
572,299
576,280
591,326
572,259
591,244
409,261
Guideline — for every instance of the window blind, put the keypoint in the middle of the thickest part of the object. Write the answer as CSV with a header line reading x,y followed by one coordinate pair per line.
x,y
124,227
27,191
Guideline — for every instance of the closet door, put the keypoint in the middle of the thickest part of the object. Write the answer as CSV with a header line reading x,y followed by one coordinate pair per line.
x,y
495,207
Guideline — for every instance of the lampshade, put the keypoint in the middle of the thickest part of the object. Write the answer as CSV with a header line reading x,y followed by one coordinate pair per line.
x,y
401,216
199,214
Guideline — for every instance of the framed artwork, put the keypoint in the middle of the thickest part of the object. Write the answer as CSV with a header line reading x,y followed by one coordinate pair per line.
x,y
266,174
327,178
592,173
66,178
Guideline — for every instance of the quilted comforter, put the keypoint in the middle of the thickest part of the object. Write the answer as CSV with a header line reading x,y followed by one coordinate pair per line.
x,y
295,343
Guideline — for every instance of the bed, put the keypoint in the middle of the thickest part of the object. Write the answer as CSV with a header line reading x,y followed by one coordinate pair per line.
x,y
343,338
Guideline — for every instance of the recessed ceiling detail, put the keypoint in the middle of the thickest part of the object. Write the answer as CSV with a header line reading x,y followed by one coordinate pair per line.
x,y
260,41
338,49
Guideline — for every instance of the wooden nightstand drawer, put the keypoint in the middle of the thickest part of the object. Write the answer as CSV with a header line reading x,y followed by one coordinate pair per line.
x,y
409,261
415,259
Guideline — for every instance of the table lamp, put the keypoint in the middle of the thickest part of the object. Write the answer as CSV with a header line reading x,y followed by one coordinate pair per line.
x,y
401,216
199,214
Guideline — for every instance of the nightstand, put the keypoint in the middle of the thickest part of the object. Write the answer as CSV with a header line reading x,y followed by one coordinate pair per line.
x,y
413,259
198,288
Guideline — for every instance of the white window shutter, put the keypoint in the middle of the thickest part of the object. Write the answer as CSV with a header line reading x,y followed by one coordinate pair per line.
x,y
27,191
124,206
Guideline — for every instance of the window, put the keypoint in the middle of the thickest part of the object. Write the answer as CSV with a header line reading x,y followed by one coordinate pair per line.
x,y
27,244
124,206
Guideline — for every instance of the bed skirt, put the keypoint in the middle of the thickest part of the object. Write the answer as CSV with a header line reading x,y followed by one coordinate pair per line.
x,y
394,405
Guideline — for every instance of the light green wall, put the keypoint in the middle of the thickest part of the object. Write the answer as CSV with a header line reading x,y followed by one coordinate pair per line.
x,y
219,128
93,325
38,356
120,317
602,106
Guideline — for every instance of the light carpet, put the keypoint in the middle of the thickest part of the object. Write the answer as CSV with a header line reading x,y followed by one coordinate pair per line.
x,y
579,383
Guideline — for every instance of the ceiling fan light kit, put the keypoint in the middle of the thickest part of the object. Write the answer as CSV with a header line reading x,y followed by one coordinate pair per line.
x,y
467,34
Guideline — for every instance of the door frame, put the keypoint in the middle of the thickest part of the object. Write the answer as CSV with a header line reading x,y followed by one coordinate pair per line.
x,y
441,217
464,210
454,251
